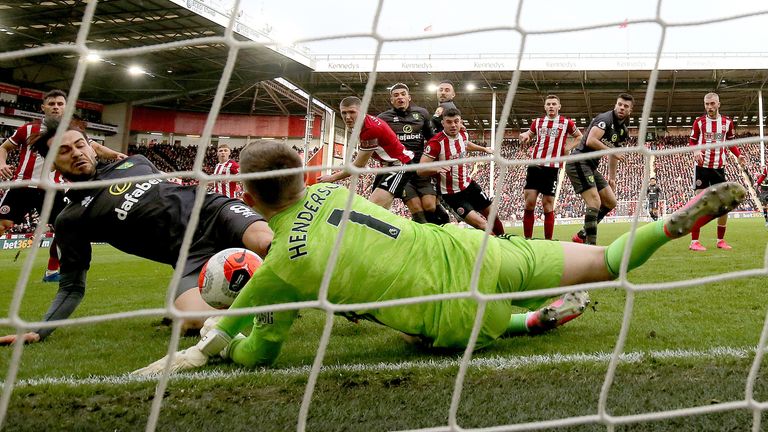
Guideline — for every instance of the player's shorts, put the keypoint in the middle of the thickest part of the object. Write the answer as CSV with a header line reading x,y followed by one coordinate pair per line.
x,y
583,177
471,198
706,177
525,265
393,182
541,179
222,225
17,202
653,203
418,187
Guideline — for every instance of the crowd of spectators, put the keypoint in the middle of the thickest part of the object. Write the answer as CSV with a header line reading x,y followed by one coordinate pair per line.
x,y
674,174
32,105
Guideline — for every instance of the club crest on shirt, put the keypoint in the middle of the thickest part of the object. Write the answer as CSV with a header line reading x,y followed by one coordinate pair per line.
x,y
5,209
125,165
416,116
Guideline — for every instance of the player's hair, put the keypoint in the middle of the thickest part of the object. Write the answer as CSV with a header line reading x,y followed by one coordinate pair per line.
x,y
627,97
263,155
552,96
712,95
222,145
451,112
40,142
351,101
447,82
399,86
54,93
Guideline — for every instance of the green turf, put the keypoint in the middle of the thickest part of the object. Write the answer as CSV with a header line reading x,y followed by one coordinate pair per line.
x,y
726,314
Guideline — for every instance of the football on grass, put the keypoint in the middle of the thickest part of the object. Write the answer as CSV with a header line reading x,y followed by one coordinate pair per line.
x,y
225,274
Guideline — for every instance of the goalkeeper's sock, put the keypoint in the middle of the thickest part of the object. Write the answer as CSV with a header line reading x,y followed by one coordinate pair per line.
x,y
517,324
648,239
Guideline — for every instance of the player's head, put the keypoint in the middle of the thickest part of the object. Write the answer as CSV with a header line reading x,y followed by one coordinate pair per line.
x,y
712,104
652,181
445,91
552,105
75,158
624,104
270,193
350,109
223,152
54,103
451,121
399,96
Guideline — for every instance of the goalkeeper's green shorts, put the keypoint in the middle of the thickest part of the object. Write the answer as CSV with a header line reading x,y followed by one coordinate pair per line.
x,y
525,265
529,265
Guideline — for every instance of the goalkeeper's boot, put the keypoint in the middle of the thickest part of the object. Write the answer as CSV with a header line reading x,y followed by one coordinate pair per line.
x,y
579,237
711,203
564,309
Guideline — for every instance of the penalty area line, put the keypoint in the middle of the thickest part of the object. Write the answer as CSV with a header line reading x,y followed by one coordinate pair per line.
x,y
495,362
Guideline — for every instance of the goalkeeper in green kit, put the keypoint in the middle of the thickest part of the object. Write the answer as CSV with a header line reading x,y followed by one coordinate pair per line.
x,y
384,257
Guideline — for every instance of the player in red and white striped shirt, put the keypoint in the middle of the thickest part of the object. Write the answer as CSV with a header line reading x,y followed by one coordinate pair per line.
x,y
551,133
710,163
459,191
226,166
377,141
19,201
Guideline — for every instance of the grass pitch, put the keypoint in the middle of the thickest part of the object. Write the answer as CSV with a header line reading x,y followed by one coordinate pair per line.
x,y
687,347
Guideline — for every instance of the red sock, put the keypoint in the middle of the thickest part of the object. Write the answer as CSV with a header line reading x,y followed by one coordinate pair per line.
x,y
720,232
549,225
695,233
498,227
528,217
53,257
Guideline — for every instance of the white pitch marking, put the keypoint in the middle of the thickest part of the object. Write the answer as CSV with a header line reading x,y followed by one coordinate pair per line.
x,y
497,362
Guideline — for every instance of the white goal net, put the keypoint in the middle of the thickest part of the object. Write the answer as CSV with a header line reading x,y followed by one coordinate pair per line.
x,y
512,30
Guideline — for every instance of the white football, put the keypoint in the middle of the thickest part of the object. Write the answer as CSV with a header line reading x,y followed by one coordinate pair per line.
x,y
225,274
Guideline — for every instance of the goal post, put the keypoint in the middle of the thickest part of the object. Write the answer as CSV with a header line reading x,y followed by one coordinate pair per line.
x,y
628,208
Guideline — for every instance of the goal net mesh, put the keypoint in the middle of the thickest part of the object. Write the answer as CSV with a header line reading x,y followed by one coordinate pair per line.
x,y
640,153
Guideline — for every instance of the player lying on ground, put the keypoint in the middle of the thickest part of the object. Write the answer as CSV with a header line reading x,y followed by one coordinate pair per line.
x,y
383,257
147,219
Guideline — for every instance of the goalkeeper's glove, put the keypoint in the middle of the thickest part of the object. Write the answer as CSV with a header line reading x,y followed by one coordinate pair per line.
x,y
189,358
215,342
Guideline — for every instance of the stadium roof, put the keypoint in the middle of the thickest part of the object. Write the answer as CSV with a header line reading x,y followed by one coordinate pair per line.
x,y
186,77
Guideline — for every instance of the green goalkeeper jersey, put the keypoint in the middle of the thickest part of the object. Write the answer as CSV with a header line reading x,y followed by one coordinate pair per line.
x,y
382,256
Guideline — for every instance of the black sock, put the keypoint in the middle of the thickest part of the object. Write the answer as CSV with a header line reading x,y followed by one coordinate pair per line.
x,y
419,217
437,217
590,225
601,214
